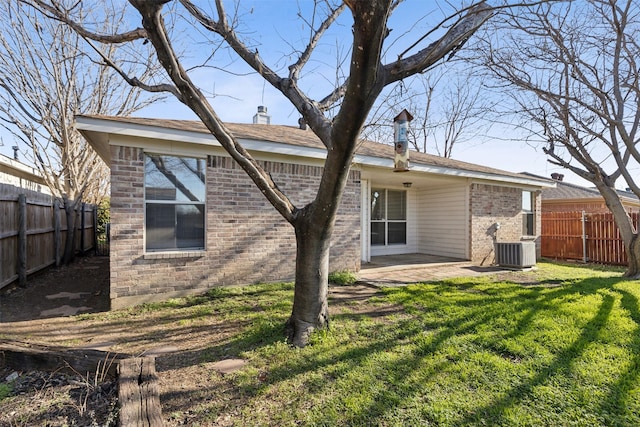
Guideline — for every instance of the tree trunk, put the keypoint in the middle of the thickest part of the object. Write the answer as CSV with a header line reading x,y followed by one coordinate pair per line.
x,y
310,307
633,258
627,231
69,244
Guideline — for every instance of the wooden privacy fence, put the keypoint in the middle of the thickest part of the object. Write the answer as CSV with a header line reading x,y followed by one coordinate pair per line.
x,y
33,229
589,237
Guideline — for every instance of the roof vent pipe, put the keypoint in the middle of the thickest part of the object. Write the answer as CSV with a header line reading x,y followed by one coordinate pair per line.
x,y
557,177
302,123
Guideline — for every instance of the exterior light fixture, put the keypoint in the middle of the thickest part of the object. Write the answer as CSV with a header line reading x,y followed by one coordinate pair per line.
x,y
407,184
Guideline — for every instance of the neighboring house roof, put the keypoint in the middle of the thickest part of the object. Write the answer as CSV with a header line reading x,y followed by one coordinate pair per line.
x,y
568,191
19,169
282,139
16,168
17,174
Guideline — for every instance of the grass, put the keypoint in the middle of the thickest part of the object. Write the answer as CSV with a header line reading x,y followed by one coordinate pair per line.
x,y
5,391
342,277
561,347
563,350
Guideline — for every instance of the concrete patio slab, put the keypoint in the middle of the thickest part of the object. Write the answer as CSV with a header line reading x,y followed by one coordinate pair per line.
x,y
401,270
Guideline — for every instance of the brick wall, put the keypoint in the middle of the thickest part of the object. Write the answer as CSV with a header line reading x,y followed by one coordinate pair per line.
x,y
491,204
247,241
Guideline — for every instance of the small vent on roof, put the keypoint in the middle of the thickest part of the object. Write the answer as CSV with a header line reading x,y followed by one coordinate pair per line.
x,y
557,177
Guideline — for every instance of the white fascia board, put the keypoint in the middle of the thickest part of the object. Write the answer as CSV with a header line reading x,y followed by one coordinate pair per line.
x,y
283,148
460,173
153,132
143,131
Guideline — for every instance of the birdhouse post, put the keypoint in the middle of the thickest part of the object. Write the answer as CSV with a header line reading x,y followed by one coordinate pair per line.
x,y
400,130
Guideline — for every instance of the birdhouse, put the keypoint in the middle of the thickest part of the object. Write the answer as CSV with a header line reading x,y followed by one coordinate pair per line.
x,y
400,132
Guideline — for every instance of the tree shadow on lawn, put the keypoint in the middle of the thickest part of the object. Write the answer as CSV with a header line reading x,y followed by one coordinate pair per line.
x,y
619,399
401,385
562,363
532,303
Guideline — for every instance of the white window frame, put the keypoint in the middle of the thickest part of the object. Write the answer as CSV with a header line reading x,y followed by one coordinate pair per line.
x,y
386,221
528,213
148,202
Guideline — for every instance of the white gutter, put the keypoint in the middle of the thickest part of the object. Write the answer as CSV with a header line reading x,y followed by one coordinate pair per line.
x,y
441,170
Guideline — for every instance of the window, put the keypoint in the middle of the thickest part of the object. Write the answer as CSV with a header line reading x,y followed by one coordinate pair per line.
x,y
528,218
174,203
388,217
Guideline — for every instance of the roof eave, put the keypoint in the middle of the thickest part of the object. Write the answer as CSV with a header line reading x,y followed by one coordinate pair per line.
x,y
453,172
90,126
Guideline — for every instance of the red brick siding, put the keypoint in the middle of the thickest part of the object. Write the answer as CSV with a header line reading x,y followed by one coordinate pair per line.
x,y
247,241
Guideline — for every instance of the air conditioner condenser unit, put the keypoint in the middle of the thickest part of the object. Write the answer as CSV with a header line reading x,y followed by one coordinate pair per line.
x,y
515,254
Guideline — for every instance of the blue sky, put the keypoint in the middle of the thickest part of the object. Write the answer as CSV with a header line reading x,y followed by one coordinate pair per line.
x,y
273,27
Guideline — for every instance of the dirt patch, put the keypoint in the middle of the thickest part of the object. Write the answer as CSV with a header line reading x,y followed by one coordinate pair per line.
x,y
55,398
82,287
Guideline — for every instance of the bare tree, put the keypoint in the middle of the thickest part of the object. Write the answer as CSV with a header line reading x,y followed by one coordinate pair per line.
x,y
573,68
351,101
45,79
448,109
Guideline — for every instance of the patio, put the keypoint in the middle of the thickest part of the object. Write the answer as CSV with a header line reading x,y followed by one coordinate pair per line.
x,y
400,270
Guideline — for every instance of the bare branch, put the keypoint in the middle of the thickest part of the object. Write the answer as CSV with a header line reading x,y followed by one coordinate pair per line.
x,y
452,40
573,68
294,69
61,15
288,87
191,95
134,81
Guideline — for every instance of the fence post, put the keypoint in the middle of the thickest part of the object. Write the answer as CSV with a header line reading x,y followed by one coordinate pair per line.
x,y
585,259
57,243
22,240
82,225
95,229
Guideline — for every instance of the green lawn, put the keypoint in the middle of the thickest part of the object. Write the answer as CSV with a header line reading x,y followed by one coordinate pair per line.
x,y
558,347
562,351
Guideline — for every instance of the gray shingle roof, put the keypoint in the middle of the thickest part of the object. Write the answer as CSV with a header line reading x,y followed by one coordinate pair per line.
x,y
566,190
306,138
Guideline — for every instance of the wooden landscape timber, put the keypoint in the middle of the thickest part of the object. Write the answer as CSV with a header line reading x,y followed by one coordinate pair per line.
x,y
26,356
139,393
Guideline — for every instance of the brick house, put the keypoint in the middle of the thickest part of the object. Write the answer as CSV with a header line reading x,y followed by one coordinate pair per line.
x,y
185,217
